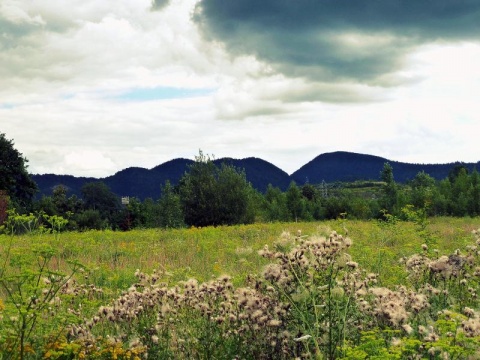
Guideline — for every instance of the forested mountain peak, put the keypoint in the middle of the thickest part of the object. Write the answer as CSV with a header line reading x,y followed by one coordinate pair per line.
x,y
328,167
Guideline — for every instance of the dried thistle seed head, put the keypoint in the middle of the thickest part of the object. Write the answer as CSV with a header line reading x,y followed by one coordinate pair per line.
x,y
274,323
224,278
469,311
408,329
441,265
337,293
352,264
348,242
396,341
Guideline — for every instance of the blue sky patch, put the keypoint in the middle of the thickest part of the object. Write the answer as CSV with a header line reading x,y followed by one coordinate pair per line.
x,y
161,93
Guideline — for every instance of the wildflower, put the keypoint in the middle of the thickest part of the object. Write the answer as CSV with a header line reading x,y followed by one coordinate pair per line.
x,y
303,338
471,327
224,278
431,337
352,264
396,341
348,242
408,329
135,342
337,293
274,323
441,265
445,355
469,311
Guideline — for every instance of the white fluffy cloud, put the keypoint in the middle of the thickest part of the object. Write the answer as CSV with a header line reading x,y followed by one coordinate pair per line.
x,y
68,69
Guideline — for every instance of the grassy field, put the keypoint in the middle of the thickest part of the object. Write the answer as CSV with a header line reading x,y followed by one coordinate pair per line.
x,y
203,253
111,259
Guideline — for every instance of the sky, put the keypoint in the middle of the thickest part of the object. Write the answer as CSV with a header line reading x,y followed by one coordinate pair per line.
x,y
88,88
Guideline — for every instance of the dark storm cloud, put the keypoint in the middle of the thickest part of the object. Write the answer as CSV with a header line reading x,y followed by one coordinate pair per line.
x,y
354,40
159,4
11,32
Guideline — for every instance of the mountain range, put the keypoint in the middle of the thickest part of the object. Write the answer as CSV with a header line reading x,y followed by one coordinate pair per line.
x,y
337,166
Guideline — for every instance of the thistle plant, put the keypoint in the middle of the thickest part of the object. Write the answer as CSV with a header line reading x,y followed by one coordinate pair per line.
x,y
434,318
319,281
32,296
310,301
189,320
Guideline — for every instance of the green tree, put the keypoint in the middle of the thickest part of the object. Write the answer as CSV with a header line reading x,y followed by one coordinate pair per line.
x,y
98,197
390,191
460,193
14,178
90,219
198,192
312,199
442,202
150,213
474,198
212,195
456,171
60,205
423,190
338,205
170,208
295,202
235,194
275,204
309,192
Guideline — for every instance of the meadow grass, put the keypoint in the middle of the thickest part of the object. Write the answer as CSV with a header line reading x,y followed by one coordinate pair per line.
x,y
205,253
118,263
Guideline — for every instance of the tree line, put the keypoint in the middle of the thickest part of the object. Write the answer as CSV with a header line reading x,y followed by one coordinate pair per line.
x,y
208,194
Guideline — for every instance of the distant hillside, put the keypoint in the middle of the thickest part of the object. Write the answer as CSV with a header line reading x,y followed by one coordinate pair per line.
x,y
346,166
47,182
144,183
330,167
259,172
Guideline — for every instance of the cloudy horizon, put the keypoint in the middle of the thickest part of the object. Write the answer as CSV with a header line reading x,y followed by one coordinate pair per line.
x,y
90,88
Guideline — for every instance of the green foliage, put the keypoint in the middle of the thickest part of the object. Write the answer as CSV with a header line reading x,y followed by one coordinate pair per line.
x,y
295,202
90,219
32,309
14,178
217,195
170,208
98,197
214,196
423,188
275,205
390,191
420,219
474,192
23,223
